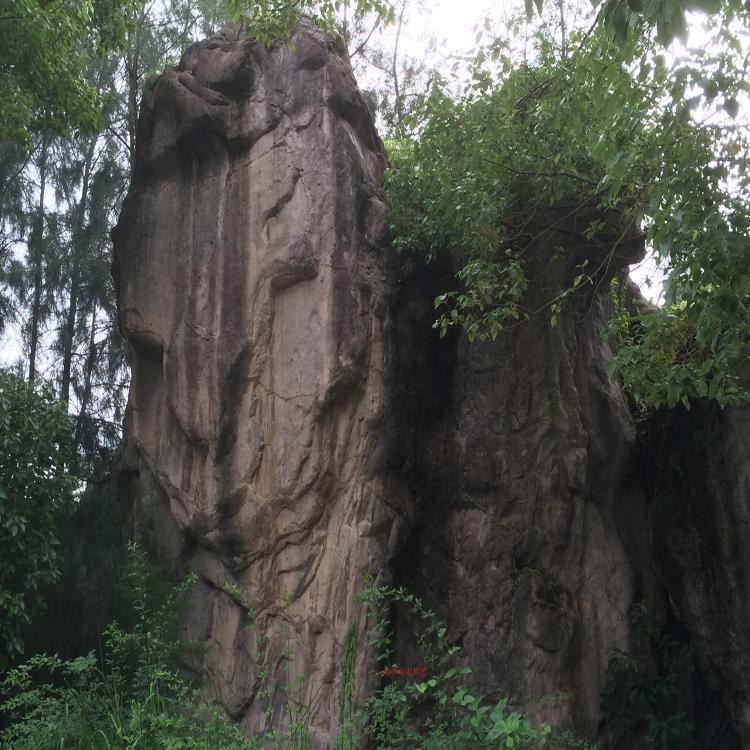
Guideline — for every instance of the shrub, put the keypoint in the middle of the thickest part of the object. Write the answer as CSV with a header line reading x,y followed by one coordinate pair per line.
x,y
35,454
441,711
642,696
135,698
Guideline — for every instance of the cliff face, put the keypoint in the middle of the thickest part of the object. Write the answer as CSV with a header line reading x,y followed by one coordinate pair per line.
x,y
698,477
517,459
294,423
253,286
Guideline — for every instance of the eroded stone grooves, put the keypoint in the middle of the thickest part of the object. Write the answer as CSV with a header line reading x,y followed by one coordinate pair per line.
x,y
253,284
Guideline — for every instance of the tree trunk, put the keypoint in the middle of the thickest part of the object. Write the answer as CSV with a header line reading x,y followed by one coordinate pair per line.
x,y
37,248
75,274
398,99
132,70
86,395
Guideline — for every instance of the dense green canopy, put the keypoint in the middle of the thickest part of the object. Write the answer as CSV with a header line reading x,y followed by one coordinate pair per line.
x,y
46,49
608,125
35,455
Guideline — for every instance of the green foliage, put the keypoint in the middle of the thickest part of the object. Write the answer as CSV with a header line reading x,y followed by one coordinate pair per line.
x,y
662,362
483,169
492,300
438,712
641,698
45,48
299,705
35,454
91,589
60,196
441,711
269,21
626,18
12,220
135,699
493,174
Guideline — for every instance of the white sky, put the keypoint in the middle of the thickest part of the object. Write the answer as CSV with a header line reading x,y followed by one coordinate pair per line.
x,y
454,22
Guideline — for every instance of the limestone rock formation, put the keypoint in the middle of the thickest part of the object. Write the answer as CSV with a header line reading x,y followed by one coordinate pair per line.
x,y
517,459
253,289
295,422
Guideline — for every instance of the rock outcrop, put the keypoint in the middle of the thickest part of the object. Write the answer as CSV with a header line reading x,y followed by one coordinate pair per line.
x,y
698,477
294,421
518,455
254,286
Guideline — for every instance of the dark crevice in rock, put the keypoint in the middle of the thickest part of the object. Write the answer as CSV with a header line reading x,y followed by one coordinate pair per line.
x,y
693,465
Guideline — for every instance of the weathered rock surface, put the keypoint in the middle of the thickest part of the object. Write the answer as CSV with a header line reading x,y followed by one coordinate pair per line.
x,y
253,287
699,476
518,457
295,423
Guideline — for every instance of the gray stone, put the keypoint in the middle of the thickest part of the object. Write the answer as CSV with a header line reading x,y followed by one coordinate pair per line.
x,y
253,287
517,457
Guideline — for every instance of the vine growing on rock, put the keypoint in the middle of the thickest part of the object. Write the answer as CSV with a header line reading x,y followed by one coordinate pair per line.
x,y
442,709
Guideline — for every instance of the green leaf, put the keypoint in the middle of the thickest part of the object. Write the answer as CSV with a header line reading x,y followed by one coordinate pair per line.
x,y
707,6
732,107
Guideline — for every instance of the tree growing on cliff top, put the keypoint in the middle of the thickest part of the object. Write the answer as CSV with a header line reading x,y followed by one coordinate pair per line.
x,y
271,20
606,126
591,117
